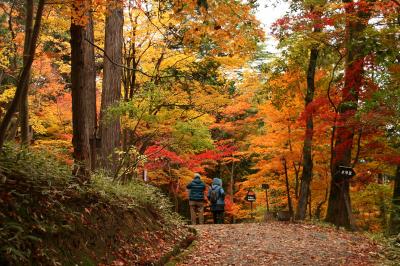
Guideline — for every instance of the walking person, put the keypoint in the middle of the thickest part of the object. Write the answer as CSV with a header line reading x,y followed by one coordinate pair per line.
x,y
196,199
216,195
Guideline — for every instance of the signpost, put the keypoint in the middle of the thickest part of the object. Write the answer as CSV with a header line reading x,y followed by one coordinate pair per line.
x,y
250,197
346,172
266,187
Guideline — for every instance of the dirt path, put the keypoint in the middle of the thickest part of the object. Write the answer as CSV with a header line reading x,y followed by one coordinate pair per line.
x,y
279,244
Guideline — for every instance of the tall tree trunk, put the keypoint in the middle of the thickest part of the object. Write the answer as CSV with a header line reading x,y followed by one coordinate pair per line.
x,y
289,199
310,205
394,222
297,183
318,209
339,205
79,88
90,85
23,107
131,58
24,76
232,187
112,75
306,175
1,77
12,130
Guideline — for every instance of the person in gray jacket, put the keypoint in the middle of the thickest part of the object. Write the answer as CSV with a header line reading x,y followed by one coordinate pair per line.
x,y
216,195
196,199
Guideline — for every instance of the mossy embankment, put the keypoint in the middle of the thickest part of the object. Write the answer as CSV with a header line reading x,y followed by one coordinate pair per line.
x,y
47,218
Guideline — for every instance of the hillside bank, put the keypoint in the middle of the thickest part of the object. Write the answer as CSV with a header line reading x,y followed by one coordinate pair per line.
x,y
47,218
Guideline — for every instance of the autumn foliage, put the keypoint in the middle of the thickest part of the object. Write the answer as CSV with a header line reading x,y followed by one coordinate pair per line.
x,y
198,93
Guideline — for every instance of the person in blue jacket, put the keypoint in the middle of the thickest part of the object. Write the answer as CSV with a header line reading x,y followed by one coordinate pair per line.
x,y
196,199
216,195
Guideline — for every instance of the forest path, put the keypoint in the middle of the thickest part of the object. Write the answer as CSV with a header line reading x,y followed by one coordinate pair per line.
x,y
279,244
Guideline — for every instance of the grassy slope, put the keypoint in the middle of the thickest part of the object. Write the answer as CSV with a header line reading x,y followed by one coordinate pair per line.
x,y
46,218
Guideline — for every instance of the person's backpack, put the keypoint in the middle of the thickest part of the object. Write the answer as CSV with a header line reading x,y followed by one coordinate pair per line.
x,y
214,195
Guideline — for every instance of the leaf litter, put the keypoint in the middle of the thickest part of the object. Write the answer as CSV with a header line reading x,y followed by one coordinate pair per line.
x,y
280,244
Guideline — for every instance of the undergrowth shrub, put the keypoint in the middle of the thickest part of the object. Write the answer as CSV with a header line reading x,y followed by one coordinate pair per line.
x,y
29,176
34,164
141,193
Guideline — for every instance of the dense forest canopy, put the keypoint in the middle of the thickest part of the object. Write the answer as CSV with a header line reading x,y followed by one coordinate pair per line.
x,y
159,90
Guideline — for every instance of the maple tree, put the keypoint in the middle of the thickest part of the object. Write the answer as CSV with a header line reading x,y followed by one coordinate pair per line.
x,y
332,44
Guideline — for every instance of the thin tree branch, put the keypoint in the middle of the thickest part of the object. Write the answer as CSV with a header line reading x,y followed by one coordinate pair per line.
x,y
331,81
332,141
126,67
115,63
13,35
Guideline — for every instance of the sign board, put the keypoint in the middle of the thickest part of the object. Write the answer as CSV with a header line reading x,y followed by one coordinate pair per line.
x,y
251,196
265,186
346,172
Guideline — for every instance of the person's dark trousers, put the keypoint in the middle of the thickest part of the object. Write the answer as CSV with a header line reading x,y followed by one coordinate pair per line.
x,y
218,217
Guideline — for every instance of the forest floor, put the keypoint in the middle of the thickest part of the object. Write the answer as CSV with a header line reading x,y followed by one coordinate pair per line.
x,y
280,244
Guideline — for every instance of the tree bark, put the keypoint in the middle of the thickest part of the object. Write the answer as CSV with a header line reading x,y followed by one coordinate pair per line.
x,y
306,175
12,130
339,204
90,85
23,107
24,76
297,183
289,199
309,205
1,77
394,222
80,90
318,209
112,75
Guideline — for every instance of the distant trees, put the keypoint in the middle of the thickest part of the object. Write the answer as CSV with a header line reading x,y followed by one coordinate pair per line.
x,y
347,34
23,78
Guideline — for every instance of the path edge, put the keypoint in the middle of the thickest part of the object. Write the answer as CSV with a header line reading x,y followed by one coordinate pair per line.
x,y
180,250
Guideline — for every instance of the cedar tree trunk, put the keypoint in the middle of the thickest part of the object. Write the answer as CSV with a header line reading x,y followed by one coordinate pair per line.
x,y
23,108
90,85
80,91
111,93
